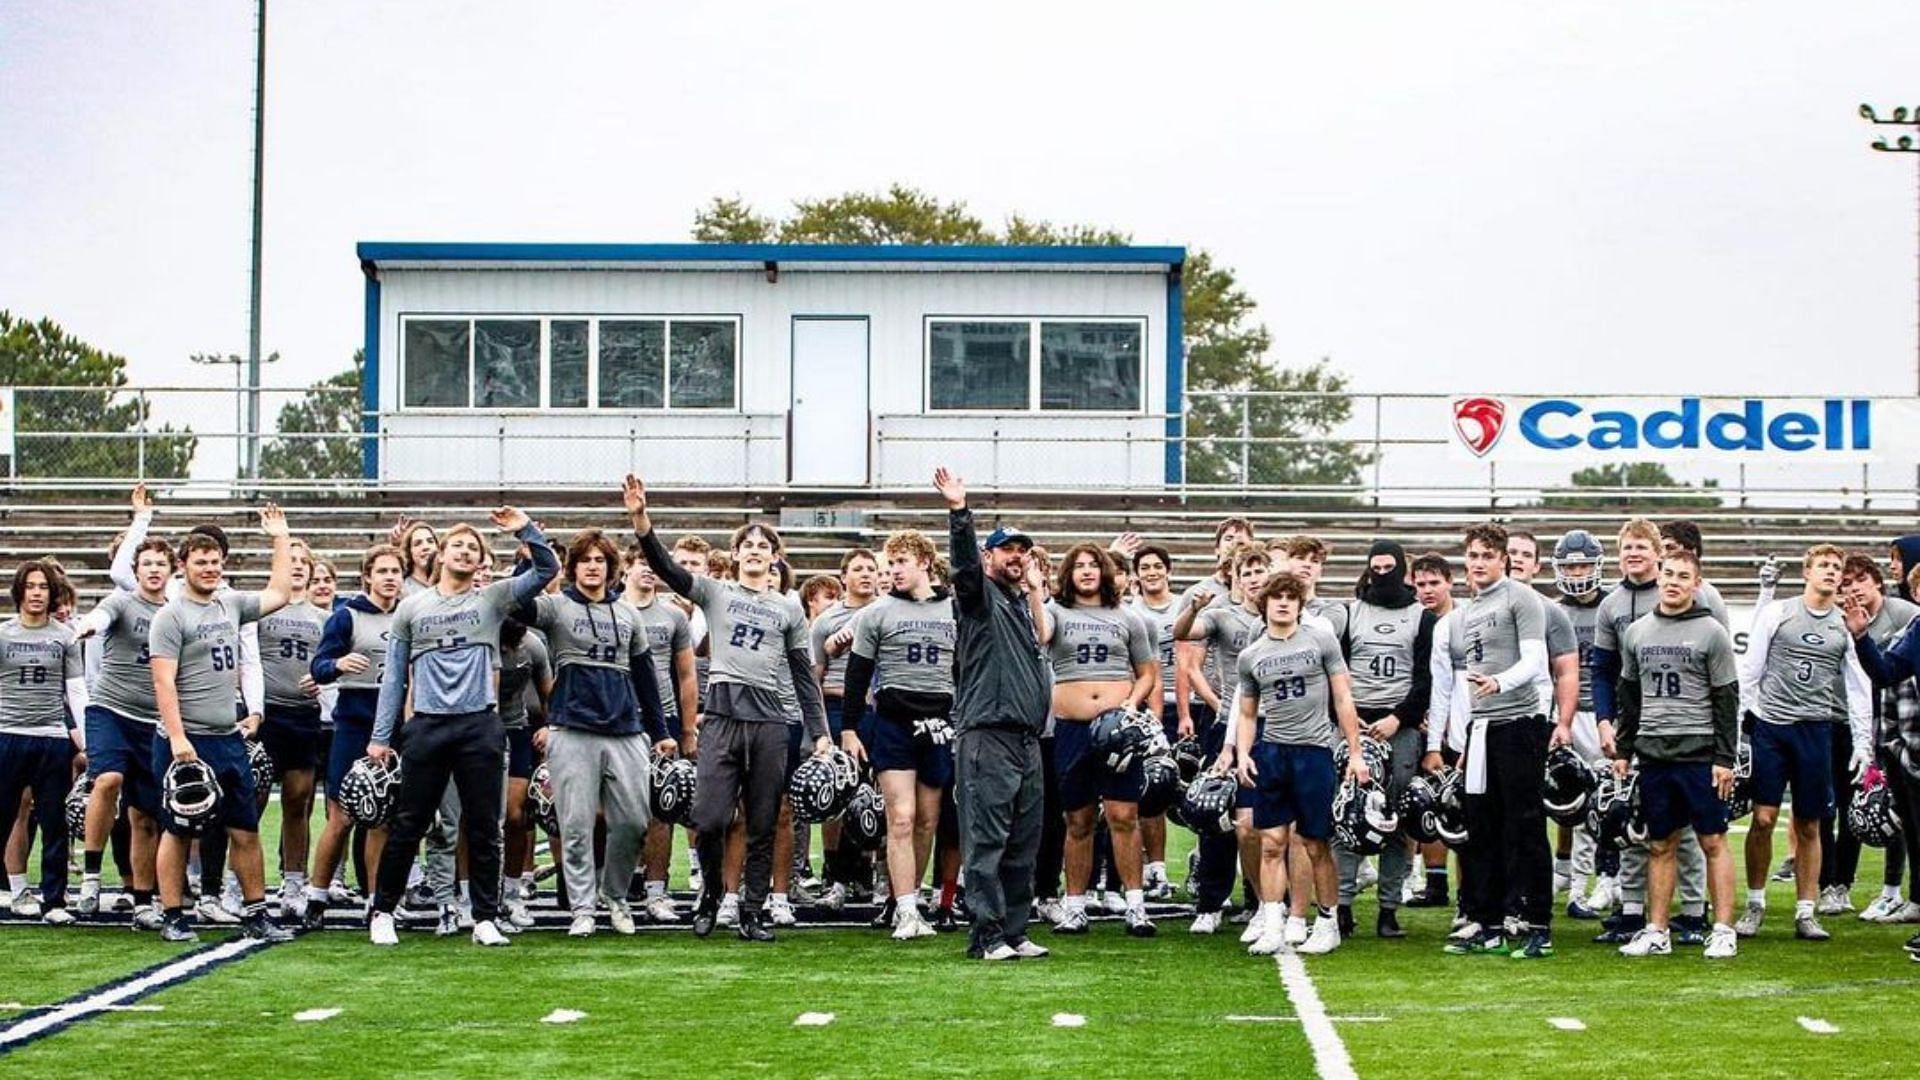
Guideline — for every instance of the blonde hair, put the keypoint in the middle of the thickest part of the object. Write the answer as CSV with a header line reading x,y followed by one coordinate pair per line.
x,y
1640,529
912,543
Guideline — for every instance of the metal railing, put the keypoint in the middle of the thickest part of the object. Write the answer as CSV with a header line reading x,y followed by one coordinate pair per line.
x,y
1372,450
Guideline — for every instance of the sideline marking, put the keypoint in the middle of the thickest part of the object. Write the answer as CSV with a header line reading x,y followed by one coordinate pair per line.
x,y
1330,1058
1295,1019
1818,1027
1566,1023
307,1015
1069,1020
124,991
563,1016
813,1019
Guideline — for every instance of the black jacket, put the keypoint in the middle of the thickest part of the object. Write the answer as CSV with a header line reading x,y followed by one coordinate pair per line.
x,y
1001,678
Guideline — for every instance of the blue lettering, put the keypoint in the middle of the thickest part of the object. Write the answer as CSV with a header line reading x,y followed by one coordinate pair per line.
x,y
1862,425
1792,431
1530,424
1749,421
1687,421
1614,431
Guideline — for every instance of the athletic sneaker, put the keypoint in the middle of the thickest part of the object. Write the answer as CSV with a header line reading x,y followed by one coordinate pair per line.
x,y
1750,920
517,914
1650,941
660,909
178,930
1882,909
1138,925
1269,942
1533,945
1322,939
1030,950
1296,930
1050,910
582,925
1367,876
381,931
338,893
487,932
89,901
210,911
1605,895
620,916
1785,873
1834,900
1114,903
1072,921
909,924
505,926
449,923
1562,881
1207,922
57,916
1620,929
464,911
230,898
833,899
1722,943
1808,928
26,904
1465,932
260,928
729,910
780,911
1908,913
148,918
1002,951
1689,930
293,899
1475,942
1256,926
1245,915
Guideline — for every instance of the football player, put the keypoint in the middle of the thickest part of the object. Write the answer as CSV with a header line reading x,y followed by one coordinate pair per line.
x,y
1679,718
1578,561
859,581
42,682
290,729
1155,605
1560,689
670,644
1880,618
1433,588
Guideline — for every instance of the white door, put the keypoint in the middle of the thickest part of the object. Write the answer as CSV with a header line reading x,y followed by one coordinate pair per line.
x,y
829,419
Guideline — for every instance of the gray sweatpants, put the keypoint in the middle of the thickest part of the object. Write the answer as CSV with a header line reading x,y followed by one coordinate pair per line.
x,y
999,791
594,772
1691,866
1395,860
741,762
442,842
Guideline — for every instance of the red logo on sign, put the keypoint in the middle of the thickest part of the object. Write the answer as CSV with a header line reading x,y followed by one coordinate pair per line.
x,y
1479,421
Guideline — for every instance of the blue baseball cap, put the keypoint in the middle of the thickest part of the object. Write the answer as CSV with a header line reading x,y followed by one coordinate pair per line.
x,y
1007,534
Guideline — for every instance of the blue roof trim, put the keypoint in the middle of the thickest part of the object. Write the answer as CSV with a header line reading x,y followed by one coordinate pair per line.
x,y
1176,453
370,386
377,252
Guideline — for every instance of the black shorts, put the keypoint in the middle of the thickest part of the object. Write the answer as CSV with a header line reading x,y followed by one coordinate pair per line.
x,y
1084,780
520,753
226,755
292,738
1674,795
894,749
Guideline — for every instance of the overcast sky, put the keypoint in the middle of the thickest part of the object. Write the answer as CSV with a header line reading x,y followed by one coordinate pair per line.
x,y
1512,197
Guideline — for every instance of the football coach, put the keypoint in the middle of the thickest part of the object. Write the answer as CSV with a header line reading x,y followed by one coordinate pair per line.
x,y
1000,701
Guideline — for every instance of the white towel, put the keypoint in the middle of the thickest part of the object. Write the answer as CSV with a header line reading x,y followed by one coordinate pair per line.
x,y
1477,757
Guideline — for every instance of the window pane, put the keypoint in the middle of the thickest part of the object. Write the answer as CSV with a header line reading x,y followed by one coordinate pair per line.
x,y
1090,365
506,364
703,354
436,364
633,364
979,365
567,365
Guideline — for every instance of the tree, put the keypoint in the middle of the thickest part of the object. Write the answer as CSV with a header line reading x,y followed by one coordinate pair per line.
x,y
1226,348
1635,484
87,426
331,408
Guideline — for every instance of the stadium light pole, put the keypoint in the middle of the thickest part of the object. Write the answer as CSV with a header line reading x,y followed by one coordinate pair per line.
x,y
251,468
1903,144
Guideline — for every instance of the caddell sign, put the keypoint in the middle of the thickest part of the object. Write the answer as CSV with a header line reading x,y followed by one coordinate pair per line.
x,y
1557,428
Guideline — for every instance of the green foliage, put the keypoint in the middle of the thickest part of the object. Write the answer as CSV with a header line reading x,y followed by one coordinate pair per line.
x,y
330,407
1226,347
41,354
1645,479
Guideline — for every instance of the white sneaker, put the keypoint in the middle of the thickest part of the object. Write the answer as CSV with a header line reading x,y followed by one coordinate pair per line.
x,y
338,893
1256,926
1367,876
780,912
1031,950
1114,903
1750,920
1267,944
1722,943
582,925
1908,913
1002,951
908,924
380,929
1323,938
660,909
1296,931
1562,882
1072,921
729,912
293,900
89,901
1883,909
26,904
230,899
1834,900
1409,890
835,897
1207,922
1050,911
486,932
1648,941
620,916
148,918
213,912
464,912
57,916
1466,931
124,902
518,915
1606,894
6,898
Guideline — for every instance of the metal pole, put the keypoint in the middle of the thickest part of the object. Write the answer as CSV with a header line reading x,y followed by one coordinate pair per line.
x,y
1246,434
252,469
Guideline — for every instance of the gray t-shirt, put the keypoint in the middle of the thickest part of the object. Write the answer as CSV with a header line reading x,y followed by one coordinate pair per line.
x,y
35,664
1678,662
289,640
1159,622
1290,678
1893,617
909,641
445,649
522,667
124,683
749,635
1227,630
1338,614
205,640
1094,644
668,632
830,622
1380,653
1217,675
1805,677
1488,634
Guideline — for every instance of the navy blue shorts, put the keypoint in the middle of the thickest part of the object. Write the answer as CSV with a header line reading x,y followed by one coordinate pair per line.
x,y
836,712
520,753
1674,795
1293,785
796,735
894,749
116,744
1083,779
226,755
292,738
1796,755
1170,721
350,739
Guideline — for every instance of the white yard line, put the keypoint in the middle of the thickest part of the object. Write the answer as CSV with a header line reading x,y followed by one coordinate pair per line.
x,y
108,999
563,1016
1818,1027
1566,1023
306,1016
813,1019
1069,1020
1330,1057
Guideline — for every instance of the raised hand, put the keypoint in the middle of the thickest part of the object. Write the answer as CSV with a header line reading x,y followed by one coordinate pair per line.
x,y
142,499
1769,572
273,522
951,488
1127,543
508,519
633,492
398,534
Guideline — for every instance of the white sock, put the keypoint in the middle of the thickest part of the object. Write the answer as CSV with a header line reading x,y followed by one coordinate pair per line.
x,y
17,882
1887,892
1136,899
1722,928
1158,869
1803,909
779,898
656,889
95,878
1563,867
466,895
730,898
526,883
510,889
1757,897
1076,903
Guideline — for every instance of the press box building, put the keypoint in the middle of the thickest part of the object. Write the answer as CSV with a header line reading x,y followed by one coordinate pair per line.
x,y
750,366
